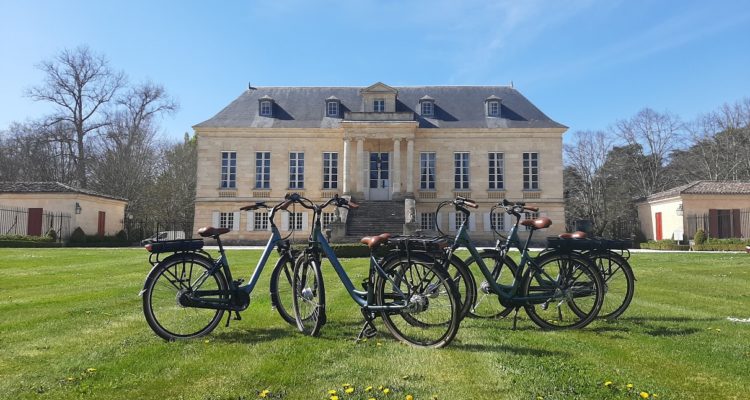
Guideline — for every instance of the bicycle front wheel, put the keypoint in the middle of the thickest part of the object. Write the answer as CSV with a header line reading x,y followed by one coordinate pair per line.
x,y
429,311
172,280
282,297
568,291
309,296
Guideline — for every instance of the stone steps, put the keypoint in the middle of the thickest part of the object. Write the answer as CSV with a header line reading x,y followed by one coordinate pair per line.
x,y
374,218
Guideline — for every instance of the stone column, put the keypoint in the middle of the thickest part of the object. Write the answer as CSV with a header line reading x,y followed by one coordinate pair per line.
x,y
410,166
396,170
360,184
347,165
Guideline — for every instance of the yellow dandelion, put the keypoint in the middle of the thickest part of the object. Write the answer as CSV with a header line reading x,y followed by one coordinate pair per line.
x,y
332,392
539,398
264,393
206,341
629,386
608,383
380,387
386,391
409,397
654,396
644,395
372,398
334,397
70,378
379,344
349,390
367,389
718,330
90,370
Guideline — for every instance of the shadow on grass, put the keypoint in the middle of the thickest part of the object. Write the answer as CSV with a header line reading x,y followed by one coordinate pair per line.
x,y
521,351
254,335
644,320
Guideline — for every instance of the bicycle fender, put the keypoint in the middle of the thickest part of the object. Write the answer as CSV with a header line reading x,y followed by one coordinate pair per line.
x,y
191,256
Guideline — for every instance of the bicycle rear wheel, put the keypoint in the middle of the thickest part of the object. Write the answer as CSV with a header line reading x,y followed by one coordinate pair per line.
x,y
503,272
309,296
282,297
167,283
569,289
619,282
432,312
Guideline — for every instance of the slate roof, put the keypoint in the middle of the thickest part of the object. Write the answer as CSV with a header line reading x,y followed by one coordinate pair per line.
x,y
704,187
50,187
455,107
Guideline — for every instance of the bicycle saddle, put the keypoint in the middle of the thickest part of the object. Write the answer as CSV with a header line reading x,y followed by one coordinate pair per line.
x,y
540,223
574,235
374,241
209,231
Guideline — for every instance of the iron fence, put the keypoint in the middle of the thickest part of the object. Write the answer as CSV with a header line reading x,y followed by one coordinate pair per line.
x,y
15,221
139,230
729,224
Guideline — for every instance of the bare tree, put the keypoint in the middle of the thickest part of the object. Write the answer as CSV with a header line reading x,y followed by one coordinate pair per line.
x,y
658,135
586,190
80,83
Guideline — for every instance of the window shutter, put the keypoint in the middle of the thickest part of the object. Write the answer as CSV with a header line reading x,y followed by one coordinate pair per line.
x,y
215,219
486,221
472,222
736,223
285,221
236,221
250,221
713,223
304,221
452,222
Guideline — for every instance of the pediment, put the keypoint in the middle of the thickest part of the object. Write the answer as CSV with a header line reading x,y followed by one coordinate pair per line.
x,y
379,87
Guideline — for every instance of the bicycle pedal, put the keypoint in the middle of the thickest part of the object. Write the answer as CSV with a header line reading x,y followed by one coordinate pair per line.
x,y
368,331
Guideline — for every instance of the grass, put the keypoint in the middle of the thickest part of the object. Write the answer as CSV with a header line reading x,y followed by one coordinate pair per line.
x,y
72,327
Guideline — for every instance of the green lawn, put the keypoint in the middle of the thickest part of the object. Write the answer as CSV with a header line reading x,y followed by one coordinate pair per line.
x,y
71,327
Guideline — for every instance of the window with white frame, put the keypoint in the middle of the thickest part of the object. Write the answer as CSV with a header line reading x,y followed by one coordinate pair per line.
x,y
260,220
530,171
332,108
493,108
427,221
497,165
296,170
378,105
295,221
531,215
427,109
497,221
263,170
427,171
228,170
330,170
326,218
461,169
459,218
226,220
266,108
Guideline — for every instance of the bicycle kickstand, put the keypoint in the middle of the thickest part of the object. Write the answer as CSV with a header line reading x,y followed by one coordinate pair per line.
x,y
515,318
237,317
368,330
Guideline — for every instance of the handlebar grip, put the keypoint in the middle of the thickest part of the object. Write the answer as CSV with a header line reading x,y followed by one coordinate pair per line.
x,y
247,208
471,204
532,209
352,204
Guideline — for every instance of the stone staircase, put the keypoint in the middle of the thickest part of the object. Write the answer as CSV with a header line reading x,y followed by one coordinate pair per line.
x,y
374,218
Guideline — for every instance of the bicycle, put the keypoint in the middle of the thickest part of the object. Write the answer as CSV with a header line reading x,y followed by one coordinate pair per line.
x,y
186,294
557,291
415,298
618,275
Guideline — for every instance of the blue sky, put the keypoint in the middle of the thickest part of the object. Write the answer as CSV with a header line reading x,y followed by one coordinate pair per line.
x,y
586,64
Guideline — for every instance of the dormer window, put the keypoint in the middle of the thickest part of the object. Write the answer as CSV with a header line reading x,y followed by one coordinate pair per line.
x,y
492,106
427,106
265,107
378,105
332,106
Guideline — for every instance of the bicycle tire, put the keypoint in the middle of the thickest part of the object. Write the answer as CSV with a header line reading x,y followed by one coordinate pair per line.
x,y
166,317
503,270
619,282
464,282
425,286
282,296
309,296
577,301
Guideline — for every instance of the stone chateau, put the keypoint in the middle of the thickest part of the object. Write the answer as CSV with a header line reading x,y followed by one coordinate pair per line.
x,y
383,146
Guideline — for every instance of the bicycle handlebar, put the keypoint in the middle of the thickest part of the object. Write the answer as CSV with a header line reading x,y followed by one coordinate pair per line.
x,y
255,206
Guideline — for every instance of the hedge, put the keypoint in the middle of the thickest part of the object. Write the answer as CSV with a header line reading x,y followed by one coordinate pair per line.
x,y
27,241
664,245
719,247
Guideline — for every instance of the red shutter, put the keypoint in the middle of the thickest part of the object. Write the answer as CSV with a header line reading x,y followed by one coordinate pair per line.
x,y
658,226
736,223
34,226
713,223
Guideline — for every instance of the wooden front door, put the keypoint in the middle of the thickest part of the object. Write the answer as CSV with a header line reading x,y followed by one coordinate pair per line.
x,y
658,226
100,225
34,226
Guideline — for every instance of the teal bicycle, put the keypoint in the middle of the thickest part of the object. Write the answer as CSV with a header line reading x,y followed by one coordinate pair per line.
x,y
416,299
557,291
